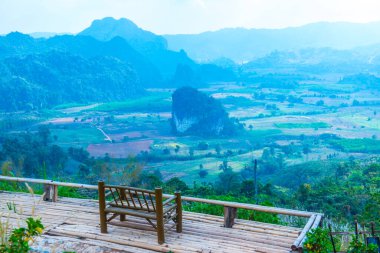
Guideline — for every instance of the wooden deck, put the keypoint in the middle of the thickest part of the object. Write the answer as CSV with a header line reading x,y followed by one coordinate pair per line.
x,y
73,225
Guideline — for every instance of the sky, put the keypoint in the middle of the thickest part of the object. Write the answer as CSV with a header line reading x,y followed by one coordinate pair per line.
x,y
180,16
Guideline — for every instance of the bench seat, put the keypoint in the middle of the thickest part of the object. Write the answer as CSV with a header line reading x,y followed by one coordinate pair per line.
x,y
140,203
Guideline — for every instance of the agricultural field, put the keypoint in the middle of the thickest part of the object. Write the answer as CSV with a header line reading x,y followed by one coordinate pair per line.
x,y
311,123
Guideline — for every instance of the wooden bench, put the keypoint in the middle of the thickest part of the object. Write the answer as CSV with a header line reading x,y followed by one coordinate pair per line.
x,y
140,203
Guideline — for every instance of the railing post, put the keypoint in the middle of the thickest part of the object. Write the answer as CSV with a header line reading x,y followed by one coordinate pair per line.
x,y
179,212
230,213
123,196
50,192
160,216
102,207
331,238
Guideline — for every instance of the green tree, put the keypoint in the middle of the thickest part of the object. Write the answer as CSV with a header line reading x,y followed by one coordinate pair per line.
x,y
218,149
228,180
44,134
175,184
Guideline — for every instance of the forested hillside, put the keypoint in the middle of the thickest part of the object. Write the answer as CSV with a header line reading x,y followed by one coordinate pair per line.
x,y
17,44
48,79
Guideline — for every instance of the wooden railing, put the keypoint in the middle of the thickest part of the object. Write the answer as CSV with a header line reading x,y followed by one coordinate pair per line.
x,y
230,208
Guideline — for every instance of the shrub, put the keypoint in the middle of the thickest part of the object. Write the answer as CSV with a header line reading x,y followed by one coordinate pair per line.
x,y
202,173
317,241
20,238
202,145
356,246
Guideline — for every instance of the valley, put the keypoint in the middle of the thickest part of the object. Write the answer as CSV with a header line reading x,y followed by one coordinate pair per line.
x,y
296,126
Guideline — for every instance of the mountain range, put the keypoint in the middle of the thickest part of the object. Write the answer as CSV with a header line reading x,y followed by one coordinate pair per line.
x,y
118,60
133,59
242,45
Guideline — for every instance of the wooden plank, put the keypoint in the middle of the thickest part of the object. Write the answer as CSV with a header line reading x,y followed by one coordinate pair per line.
x,y
79,218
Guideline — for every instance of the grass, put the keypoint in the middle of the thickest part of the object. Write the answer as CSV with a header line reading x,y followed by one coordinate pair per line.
x,y
68,105
303,125
158,103
78,136
6,224
357,145
263,133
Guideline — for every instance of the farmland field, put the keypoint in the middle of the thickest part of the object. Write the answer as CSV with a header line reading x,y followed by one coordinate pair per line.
x,y
296,127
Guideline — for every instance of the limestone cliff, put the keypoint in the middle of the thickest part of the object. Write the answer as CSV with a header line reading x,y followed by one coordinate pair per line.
x,y
194,112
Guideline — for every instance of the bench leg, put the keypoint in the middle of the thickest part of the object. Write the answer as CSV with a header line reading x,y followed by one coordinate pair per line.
x,y
160,233
122,217
103,223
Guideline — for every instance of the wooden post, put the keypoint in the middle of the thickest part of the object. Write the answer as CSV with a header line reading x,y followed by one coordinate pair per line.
x,y
255,178
160,216
50,193
332,238
123,196
373,229
102,207
178,201
356,230
230,213
364,232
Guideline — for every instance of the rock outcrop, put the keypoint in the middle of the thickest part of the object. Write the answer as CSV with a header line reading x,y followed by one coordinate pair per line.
x,y
194,112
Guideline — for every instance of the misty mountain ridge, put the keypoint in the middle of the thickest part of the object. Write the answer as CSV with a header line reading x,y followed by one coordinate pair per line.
x,y
239,44
311,48
242,45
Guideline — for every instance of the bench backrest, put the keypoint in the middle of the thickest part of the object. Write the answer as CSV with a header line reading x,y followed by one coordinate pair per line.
x,y
132,198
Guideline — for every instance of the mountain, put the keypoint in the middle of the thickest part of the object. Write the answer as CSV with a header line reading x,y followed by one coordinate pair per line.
x,y
316,61
48,79
243,45
153,47
141,40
